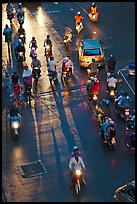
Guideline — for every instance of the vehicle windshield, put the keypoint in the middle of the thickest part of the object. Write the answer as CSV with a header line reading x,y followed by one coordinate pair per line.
x,y
92,52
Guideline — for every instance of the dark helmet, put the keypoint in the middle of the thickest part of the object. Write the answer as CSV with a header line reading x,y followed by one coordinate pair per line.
x,y
51,58
93,5
15,73
93,60
6,26
48,36
33,38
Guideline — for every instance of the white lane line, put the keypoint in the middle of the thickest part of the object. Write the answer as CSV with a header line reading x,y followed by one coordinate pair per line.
x,y
82,8
127,82
52,11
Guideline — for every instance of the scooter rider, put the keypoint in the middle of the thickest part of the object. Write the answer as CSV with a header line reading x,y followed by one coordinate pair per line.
x,y
21,31
68,32
93,9
52,66
20,11
111,82
14,79
35,63
33,43
110,131
95,86
93,68
111,64
89,85
78,18
13,111
77,162
47,42
69,65
75,151
9,8
27,77
122,101
19,48
17,91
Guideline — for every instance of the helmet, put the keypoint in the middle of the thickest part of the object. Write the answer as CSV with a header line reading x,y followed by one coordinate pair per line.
x,y
92,78
20,4
75,148
78,13
66,58
122,93
6,25
33,38
48,36
111,56
112,122
107,118
93,60
107,102
51,58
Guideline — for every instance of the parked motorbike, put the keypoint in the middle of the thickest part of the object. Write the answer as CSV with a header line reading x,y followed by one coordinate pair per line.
x,y
21,20
15,126
130,140
79,27
93,17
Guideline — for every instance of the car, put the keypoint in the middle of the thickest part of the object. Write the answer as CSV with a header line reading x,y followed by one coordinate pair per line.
x,y
89,49
126,193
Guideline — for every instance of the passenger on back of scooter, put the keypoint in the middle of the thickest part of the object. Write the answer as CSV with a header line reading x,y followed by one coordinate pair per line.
x,y
68,32
95,86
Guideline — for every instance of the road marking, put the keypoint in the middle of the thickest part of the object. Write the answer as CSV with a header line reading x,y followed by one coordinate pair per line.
x,y
55,2
82,8
126,82
53,11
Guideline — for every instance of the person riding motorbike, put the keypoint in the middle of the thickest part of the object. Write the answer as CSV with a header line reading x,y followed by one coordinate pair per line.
x,y
111,64
111,82
13,111
20,11
105,126
19,48
47,42
93,9
14,79
33,43
110,131
52,66
17,92
9,10
75,151
95,86
77,162
27,77
35,63
89,85
69,65
21,31
78,18
122,101
68,32
93,68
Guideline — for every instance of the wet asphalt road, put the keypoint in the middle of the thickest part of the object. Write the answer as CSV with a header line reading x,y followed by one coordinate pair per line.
x,y
60,117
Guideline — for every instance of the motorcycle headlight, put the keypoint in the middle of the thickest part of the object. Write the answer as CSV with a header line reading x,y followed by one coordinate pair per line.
x,y
113,140
94,97
78,172
21,36
126,111
112,93
15,124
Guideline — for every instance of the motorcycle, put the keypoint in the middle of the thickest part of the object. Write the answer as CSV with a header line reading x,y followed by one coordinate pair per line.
x,y
93,17
124,113
21,20
21,57
112,93
67,41
52,76
15,126
36,74
79,27
110,141
48,52
33,52
77,180
130,140
22,37
67,74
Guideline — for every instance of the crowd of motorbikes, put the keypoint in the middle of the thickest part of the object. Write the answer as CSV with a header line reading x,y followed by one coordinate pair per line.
x,y
106,123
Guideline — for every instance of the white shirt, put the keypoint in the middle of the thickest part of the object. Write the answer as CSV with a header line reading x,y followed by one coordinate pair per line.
x,y
74,164
112,82
51,65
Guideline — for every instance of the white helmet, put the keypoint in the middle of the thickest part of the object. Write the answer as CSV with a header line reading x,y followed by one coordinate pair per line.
x,y
66,58
75,148
78,13
92,78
